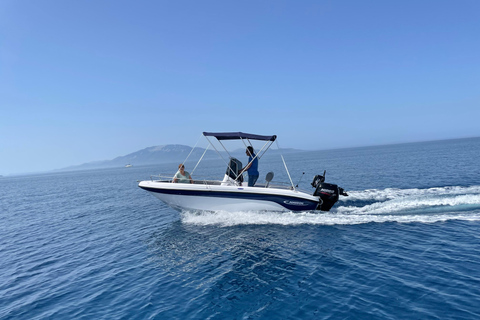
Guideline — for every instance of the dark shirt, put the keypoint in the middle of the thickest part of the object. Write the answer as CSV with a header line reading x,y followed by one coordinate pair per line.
x,y
253,170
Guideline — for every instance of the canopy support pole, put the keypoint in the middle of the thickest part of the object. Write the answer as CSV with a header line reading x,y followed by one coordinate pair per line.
x,y
216,150
200,159
191,150
288,173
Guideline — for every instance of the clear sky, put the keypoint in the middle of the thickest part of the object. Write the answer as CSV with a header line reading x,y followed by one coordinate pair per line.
x,y
92,80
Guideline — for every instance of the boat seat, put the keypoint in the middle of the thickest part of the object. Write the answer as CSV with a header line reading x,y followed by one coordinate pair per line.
x,y
268,178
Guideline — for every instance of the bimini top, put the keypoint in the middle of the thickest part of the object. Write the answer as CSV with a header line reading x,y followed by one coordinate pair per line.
x,y
238,135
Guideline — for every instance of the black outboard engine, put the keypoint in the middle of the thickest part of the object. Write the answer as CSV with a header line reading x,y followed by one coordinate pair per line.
x,y
327,192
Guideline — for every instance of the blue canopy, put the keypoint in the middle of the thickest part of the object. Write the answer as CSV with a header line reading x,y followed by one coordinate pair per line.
x,y
238,135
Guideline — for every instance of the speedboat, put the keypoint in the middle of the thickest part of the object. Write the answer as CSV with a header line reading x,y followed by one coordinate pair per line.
x,y
232,194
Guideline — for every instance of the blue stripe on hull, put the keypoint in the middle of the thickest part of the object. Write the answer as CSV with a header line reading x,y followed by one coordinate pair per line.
x,y
290,203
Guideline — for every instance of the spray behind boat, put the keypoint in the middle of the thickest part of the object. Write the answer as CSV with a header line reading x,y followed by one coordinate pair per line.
x,y
326,191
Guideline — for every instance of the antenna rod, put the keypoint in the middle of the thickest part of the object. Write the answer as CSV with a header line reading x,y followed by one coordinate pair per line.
x,y
300,179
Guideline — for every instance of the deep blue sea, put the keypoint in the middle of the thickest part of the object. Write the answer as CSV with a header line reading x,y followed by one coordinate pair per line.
x,y
404,245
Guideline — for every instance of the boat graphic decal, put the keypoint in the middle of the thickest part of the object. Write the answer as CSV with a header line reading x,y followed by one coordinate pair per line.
x,y
295,203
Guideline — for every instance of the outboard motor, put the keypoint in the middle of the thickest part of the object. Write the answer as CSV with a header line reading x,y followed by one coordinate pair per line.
x,y
327,192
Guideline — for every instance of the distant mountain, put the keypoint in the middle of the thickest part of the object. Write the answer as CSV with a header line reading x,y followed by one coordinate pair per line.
x,y
171,153
152,155
160,154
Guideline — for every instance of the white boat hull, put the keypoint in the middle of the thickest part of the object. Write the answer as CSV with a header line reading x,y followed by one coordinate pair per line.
x,y
203,197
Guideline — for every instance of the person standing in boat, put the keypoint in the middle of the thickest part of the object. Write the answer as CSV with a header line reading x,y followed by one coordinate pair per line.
x,y
252,166
182,176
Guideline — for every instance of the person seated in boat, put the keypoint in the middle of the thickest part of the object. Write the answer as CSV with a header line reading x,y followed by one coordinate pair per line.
x,y
182,176
251,167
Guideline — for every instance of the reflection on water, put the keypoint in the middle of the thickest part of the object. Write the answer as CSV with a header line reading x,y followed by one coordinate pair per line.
x,y
239,268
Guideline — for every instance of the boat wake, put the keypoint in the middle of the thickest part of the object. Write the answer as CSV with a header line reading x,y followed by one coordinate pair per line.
x,y
367,206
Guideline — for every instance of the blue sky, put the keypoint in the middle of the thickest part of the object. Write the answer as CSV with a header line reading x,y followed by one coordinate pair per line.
x,y
92,80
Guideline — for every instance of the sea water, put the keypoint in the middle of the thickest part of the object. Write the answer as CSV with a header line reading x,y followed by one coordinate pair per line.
x,y
405,244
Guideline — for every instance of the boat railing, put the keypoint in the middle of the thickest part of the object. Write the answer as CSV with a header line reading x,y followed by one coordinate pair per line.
x,y
274,184
168,178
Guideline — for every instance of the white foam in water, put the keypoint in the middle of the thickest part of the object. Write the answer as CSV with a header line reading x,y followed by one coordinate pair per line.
x,y
391,193
405,204
393,205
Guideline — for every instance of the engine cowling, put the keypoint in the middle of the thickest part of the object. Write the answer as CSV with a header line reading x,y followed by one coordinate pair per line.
x,y
327,192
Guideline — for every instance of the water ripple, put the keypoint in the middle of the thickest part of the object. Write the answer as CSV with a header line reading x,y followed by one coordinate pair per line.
x,y
92,245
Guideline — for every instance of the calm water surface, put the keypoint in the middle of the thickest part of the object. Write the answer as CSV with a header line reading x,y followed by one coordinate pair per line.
x,y
404,245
